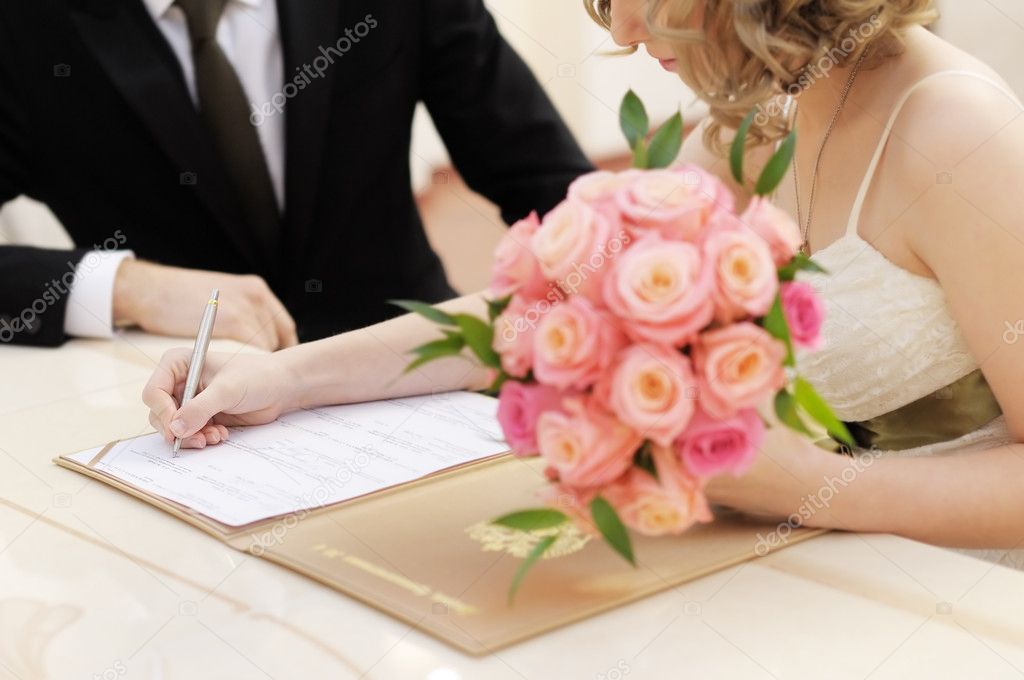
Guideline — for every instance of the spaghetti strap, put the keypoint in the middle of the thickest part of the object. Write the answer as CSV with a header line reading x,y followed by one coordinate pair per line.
x,y
858,204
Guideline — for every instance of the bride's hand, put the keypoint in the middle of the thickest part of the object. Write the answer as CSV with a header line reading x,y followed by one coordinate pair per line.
x,y
790,476
235,389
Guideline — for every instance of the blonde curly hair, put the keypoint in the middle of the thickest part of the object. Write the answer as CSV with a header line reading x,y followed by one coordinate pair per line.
x,y
746,53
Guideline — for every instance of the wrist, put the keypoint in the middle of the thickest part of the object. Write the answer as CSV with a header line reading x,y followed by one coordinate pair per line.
x,y
127,288
848,490
309,380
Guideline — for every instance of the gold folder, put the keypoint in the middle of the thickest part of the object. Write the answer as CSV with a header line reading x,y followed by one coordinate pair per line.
x,y
425,553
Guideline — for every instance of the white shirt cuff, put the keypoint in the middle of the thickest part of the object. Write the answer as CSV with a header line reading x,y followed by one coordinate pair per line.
x,y
90,307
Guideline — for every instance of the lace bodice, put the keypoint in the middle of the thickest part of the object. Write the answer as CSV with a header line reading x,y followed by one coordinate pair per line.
x,y
890,338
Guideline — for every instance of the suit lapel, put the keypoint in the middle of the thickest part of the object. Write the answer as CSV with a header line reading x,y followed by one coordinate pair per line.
x,y
306,26
129,47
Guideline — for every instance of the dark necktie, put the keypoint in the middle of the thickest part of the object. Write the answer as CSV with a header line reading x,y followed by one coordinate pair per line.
x,y
225,112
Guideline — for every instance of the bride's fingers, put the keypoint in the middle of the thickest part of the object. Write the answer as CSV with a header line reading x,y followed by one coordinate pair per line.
x,y
212,434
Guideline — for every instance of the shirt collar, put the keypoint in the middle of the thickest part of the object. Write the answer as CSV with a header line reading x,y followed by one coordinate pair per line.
x,y
157,8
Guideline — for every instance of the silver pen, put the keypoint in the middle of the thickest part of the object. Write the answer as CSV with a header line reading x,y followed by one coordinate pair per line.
x,y
195,365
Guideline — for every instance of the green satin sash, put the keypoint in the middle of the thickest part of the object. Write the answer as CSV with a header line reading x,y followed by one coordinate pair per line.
x,y
944,415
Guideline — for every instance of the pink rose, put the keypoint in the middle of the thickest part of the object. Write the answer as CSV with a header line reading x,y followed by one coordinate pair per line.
x,y
586,445
516,269
652,389
738,367
746,279
668,505
600,188
514,330
573,247
574,343
805,314
711,446
676,203
661,290
519,407
775,226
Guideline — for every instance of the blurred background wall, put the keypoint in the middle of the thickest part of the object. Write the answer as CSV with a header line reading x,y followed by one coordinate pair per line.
x,y
568,53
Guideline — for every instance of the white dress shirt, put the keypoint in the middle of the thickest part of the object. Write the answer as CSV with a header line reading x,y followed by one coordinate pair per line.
x,y
249,36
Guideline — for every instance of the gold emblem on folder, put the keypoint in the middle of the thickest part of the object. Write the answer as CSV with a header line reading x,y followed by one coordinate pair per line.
x,y
494,537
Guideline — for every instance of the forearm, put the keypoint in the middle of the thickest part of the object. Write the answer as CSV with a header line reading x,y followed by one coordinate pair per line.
x,y
965,500
369,363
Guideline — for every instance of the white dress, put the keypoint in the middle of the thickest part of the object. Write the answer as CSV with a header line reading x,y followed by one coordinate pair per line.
x,y
890,338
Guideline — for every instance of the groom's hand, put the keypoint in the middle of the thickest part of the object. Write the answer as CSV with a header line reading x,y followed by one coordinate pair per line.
x,y
170,301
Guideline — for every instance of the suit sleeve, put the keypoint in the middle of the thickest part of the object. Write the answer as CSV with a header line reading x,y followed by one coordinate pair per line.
x,y
33,281
503,133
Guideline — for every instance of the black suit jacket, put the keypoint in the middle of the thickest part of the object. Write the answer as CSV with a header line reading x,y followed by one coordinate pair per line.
x,y
96,122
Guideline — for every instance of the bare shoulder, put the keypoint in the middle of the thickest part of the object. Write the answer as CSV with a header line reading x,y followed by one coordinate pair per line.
x,y
972,142
957,104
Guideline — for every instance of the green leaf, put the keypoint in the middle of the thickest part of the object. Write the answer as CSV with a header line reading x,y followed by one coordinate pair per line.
x,y
496,307
633,119
817,408
777,167
479,337
775,323
425,310
739,148
666,143
531,559
785,409
529,520
452,342
611,527
450,345
800,263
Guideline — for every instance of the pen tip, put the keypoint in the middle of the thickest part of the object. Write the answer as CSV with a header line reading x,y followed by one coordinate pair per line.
x,y
177,448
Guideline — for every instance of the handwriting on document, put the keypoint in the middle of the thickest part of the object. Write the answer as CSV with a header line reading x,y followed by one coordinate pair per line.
x,y
313,458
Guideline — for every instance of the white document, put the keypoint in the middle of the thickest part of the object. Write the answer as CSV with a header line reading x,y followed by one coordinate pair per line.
x,y
311,458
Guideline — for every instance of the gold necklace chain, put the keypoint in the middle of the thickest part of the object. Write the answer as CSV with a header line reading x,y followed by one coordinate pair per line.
x,y
805,228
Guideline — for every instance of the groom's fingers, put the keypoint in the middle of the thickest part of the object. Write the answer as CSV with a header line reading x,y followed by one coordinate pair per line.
x,y
283,322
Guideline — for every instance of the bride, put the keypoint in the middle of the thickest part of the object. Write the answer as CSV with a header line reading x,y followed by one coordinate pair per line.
x,y
905,187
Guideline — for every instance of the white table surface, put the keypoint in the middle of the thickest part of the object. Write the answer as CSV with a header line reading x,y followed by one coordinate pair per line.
x,y
95,584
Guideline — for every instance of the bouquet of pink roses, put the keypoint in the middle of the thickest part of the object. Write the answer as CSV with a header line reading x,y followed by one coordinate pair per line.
x,y
635,330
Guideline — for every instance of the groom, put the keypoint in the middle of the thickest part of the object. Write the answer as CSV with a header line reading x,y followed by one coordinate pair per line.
x,y
261,137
